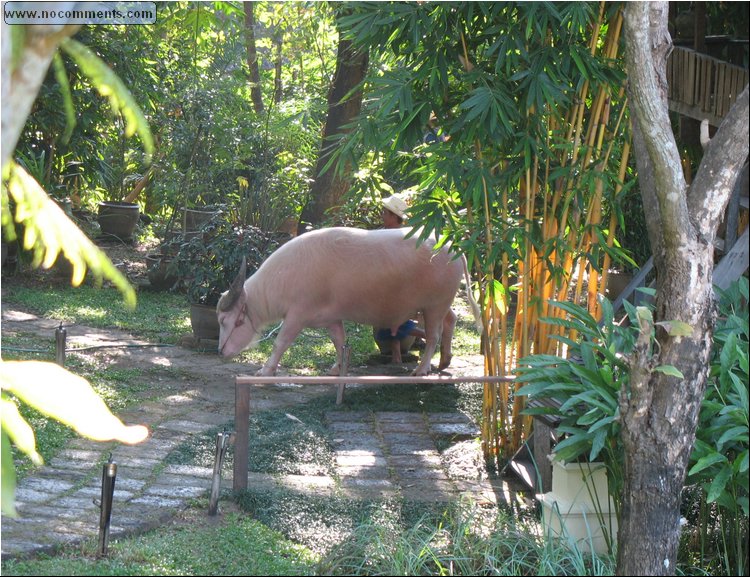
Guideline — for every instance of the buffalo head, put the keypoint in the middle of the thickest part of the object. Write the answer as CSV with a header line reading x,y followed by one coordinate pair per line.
x,y
236,329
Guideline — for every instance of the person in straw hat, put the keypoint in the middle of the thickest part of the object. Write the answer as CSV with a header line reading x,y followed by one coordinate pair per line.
x,y
394,216
394,211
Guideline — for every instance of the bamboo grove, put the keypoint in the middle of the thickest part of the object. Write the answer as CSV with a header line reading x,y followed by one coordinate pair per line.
x,y
526,179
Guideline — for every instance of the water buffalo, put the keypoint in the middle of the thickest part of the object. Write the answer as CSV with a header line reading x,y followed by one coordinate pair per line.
x,y
327,276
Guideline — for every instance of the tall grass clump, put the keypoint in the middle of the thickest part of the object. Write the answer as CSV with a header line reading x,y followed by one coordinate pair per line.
x,y
464,540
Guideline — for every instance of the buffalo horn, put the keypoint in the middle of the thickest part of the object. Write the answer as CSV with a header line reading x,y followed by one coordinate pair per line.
x,y
235,290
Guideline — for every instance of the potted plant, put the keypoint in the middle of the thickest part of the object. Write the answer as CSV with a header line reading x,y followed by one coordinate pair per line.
x,y
588,464
207,263
118,186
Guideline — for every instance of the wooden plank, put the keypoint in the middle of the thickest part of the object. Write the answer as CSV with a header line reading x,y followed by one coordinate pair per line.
x,y
368,380
733,265
241,438
542,449
707,72
720,91
638,281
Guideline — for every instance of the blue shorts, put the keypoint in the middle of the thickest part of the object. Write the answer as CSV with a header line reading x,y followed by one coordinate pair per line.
x,y
402,333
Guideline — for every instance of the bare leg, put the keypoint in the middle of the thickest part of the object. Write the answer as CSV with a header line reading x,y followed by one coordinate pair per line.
x,y
396,351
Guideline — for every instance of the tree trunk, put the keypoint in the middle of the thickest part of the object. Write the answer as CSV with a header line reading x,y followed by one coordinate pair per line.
x,y
252,58
22,78
344,103
659,411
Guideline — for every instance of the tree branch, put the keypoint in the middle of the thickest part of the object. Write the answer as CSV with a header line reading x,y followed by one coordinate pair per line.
x,y
645,27
709,194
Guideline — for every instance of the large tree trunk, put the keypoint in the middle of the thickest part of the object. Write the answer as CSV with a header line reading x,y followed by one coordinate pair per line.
x,y
252,58
659,411
344,103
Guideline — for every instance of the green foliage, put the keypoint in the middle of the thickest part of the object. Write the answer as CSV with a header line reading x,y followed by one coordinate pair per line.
x,y
719,461
110,86
586,385
238,545
187,75
48,232
208,263
516,85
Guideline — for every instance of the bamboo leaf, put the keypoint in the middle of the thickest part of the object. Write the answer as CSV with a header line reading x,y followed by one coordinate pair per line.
x,y
49,232
67,398
70,112
109,85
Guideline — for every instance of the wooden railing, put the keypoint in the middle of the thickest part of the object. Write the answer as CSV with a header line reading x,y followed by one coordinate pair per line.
x,y
701,86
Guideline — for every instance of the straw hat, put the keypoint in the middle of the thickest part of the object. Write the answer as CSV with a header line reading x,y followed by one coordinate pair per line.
x,y
396,205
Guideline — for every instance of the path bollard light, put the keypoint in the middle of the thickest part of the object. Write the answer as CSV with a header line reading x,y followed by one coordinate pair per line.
x,y
60,338
109,473
222,444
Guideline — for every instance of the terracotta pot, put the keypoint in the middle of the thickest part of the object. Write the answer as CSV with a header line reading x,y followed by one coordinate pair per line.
x,y
193,219
159,275
118,219
204,321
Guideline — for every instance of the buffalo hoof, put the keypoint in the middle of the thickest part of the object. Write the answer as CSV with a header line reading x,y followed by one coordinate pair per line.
x,y
445,362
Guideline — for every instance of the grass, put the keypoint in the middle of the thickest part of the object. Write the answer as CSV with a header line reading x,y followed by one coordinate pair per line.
x,y
159,317
238,545
276,532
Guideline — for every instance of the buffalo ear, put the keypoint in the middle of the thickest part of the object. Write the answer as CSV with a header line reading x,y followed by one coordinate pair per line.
x,y
230,298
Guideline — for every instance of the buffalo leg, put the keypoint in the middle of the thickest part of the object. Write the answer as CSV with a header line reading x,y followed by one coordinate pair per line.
x,y
338,336
285,338
446,339
432,324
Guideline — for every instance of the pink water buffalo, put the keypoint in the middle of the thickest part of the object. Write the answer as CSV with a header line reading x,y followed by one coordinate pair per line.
x,y
327,276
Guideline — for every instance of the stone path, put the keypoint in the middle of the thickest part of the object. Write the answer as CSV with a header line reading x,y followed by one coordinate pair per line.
x,y
377,454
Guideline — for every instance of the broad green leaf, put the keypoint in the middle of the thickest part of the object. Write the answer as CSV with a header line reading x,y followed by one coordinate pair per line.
x,y
676,328
744,461
8,472
733,434
717,485
50,233
707,461
19,431
67,398
670,370
109,85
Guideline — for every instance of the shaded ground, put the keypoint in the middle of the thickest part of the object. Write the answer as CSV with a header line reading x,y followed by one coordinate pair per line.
x,y
417,456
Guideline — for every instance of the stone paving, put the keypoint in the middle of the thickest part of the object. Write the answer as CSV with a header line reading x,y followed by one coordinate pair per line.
x,y
377,454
